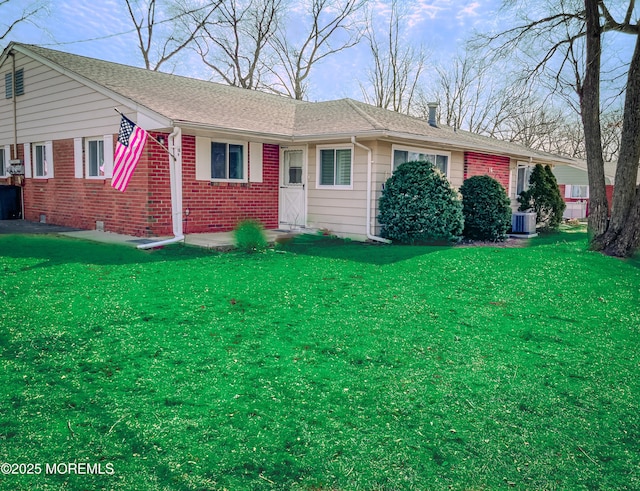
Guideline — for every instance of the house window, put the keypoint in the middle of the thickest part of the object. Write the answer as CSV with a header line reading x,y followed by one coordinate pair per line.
x,y
335,167
3,162
41,168
94,151
227,161
440,160
221,161
523,175
580,192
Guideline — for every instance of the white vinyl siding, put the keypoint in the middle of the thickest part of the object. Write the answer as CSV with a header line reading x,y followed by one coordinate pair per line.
x,y
78,110
341,211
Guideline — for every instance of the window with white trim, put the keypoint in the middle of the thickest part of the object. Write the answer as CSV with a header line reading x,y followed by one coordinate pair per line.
x,y
579,192
227,161
523,174
94,157
40,162
439,159
335,167
221,161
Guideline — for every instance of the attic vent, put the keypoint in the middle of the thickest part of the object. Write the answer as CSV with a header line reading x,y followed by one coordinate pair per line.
x,y
8,84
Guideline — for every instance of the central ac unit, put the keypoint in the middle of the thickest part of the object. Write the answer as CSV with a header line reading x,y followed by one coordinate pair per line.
x,y
523,223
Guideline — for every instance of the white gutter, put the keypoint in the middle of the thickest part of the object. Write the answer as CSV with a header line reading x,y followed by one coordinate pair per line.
x,y
175,179
370,236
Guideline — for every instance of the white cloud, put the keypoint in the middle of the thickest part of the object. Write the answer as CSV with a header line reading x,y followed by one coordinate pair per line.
x,y
470,10
426,9
429,10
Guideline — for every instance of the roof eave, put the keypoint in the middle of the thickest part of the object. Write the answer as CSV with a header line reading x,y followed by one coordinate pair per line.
x,y
191,126
130,104
551,159
328,137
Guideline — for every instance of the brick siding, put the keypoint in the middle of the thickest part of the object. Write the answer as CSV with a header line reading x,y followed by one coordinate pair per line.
x,y
144,209
219,206
480,164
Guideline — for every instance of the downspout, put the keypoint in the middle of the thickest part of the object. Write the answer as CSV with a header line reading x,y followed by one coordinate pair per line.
x,y
175,181
15,126
370,236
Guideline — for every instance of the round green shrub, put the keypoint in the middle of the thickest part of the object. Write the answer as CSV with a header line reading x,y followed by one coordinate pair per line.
x,y
419,205
486,209
249,236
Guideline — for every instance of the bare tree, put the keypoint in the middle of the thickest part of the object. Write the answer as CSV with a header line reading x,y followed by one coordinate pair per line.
x,y
397,67
535,126
26,14
473,99
331,27
175,24
235,43
569,36
468,96
611,129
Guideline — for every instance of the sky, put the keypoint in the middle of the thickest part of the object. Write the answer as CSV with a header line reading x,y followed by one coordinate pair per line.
x,y
102,29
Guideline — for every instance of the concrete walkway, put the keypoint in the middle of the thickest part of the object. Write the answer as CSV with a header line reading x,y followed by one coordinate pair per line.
x,y
218,240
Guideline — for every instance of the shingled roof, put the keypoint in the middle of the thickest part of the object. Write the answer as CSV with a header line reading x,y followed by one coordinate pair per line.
x,y
193,102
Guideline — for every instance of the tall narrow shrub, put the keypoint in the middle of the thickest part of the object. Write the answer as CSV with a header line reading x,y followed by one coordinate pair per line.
x,y
486,209
418,205
543,197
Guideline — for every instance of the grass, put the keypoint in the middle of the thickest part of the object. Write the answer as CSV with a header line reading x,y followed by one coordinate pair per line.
x,y
324,366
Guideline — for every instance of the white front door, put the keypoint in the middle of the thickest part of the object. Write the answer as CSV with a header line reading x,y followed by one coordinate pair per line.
x,y
292,187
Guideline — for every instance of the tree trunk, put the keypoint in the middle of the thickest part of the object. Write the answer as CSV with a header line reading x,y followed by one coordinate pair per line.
x,y
621,237
627,240
590,109
622,233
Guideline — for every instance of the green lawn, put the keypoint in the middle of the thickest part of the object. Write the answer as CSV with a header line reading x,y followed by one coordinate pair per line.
x,y
326,366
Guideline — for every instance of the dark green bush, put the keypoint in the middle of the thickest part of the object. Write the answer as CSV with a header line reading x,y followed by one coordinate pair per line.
x,y
249,236
419,205
486,209
543,197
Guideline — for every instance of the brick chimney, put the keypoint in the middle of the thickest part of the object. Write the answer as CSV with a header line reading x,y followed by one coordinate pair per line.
x,y
433,119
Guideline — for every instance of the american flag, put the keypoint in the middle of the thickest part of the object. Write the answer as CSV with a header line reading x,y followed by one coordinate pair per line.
x,y
131,140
